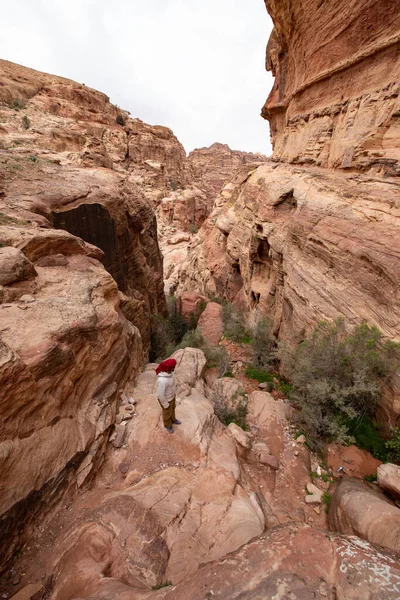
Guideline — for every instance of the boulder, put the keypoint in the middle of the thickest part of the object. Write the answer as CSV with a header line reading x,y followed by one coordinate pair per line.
x,y
266,386
120,433
314,495
296,562
210,323
359,508
265,457
189,303
190,367
240,436
14,266
389,479
229,394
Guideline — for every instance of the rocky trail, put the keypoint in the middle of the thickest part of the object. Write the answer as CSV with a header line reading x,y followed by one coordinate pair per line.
x,y
210,511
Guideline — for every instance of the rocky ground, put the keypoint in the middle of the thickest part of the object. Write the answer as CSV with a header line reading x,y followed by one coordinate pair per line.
x,y
207,511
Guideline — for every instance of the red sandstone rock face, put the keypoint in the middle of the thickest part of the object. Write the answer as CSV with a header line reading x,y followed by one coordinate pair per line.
x,y
301,245
335,101
73,187
362,509
211,168
186,207
210,323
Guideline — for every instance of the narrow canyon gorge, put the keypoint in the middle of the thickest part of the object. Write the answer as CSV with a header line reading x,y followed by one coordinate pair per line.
x,y
102,219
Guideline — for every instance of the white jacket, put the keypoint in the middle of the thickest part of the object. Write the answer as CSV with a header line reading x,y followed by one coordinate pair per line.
x,y
166,389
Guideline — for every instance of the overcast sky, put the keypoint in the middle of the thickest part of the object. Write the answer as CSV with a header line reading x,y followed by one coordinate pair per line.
x,y
196,66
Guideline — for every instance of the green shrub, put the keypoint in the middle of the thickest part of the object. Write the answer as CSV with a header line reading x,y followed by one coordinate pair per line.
x,y
192,228
260,375
215,298
177,321
161,585
371,477
368,437
194,316
393,446
167,332
26,123
173,184
326,499
192,339
337,378
217,356
18,104
263,344
234,324
236,413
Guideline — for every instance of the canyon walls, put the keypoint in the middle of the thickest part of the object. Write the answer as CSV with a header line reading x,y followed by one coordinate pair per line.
x,y
335,101
81,278
313,233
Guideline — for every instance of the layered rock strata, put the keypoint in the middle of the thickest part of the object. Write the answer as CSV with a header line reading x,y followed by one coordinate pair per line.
x,y
335,101
81,277
292,240
183,211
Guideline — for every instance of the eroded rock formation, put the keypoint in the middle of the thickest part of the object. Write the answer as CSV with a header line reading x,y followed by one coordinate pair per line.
x,y
198,510
313,234
335,101
72,199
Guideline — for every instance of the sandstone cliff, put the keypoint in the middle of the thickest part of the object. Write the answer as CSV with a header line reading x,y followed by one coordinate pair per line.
x,y
335,101
314,232
81,277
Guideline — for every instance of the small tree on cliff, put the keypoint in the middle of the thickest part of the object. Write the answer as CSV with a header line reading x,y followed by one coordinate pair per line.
x,y
337,377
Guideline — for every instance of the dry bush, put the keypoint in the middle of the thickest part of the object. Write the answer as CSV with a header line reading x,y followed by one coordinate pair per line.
x,y
337,377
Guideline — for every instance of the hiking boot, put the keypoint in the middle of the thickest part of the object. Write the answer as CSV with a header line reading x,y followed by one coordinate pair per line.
x,y
177,422
169,429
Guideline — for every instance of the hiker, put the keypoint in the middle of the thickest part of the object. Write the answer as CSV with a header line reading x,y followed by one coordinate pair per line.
x,y
166,391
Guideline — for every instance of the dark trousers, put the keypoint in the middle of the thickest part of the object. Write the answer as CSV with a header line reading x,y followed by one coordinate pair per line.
x,y
168,414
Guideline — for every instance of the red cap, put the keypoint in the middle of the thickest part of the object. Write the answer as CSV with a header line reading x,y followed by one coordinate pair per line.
x,y
166,366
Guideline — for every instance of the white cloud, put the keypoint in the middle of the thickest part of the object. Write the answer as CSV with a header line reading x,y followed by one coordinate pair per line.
x,y
196,66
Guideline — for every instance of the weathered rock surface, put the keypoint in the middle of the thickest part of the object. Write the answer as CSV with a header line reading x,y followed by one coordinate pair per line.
x,y
301,246
335,101
297,562
389,479
210,323
175,507
71,197
188,509
183,210
211,168
14,266
190,303
57,402
362,509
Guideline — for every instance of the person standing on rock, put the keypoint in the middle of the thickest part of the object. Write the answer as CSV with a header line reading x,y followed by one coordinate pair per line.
x,y
166,392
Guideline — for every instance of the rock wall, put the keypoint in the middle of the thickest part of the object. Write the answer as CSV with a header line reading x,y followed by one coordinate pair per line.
x,y
313,233
81,277
211,168
335,101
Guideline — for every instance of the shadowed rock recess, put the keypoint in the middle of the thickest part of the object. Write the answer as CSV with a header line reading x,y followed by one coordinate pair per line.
x,y
97,501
